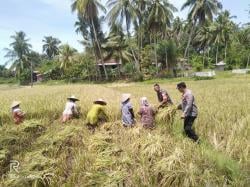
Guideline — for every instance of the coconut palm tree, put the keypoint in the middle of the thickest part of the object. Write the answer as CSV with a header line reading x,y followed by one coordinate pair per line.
x,y
120,10
177,30
227,28
200,11
160,16
123,11
17,54
204,39
50,46
66,56
89,9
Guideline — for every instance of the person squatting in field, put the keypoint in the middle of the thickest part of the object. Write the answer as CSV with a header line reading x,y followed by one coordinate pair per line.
x,y
147,114
18,115
128,117
70,110
97,115
163,97
189,110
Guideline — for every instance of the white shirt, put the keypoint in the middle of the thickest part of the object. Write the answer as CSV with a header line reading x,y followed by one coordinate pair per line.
x,y
69,108
16,110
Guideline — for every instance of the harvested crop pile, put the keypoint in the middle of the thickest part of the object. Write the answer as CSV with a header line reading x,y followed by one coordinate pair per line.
x,y
166,115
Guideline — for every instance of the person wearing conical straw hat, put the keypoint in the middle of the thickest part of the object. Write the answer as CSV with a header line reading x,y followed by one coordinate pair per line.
x,y
147,114
97,114
128,117
17,114
70,109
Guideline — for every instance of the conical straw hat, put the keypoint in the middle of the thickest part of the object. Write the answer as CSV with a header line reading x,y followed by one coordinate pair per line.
x,y
15,103
125,97
100,101
73,98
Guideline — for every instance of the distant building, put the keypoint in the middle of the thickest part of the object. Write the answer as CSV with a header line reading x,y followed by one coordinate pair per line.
x,y
220,66
37,76
109,64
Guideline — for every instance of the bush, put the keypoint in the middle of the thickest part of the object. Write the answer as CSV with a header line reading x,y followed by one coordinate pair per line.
x,y
203,78
196,62
25,77
137,77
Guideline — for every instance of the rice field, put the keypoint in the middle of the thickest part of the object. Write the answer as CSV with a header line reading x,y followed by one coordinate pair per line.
x,y
53,154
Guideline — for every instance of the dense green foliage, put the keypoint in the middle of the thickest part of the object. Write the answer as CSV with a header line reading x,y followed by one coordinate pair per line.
x,y
144,36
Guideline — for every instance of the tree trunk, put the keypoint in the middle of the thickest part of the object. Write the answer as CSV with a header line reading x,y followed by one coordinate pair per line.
x,y
31,74
156,61
248,60
204,57
225,59
137,63
120,63
99,48
98,73
167,59
190,38
217,51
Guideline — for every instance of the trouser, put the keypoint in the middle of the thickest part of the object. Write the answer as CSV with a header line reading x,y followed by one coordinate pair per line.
x,y
188,122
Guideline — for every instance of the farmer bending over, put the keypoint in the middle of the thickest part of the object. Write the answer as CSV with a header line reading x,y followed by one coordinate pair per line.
x,y
17,114
147,114
97,114
70,110
189,109
162,96
128,117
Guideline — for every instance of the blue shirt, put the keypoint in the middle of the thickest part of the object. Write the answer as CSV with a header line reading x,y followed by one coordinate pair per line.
x,y
127,117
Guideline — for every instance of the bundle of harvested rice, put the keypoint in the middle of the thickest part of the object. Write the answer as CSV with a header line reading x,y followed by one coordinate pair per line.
x,y
166,115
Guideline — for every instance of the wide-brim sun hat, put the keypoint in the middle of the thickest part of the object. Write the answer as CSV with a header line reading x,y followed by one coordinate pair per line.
x,y
100,101
125,97
73,98
15,103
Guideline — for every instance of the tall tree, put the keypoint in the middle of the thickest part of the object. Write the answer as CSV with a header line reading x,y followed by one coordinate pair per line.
x,y
66,56
89,9
227,29
17,54
120,10
200,11
51,46
160,16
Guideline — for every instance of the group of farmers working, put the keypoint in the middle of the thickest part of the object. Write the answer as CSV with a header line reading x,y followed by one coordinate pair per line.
x,y
97,114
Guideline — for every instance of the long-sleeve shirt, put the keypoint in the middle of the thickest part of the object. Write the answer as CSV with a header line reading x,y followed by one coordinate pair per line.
x,y
162,94
188,104
147,114
127,113
70,108
96,114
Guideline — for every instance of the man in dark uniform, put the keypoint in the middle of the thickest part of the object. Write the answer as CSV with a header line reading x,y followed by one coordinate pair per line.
x,y
163,96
